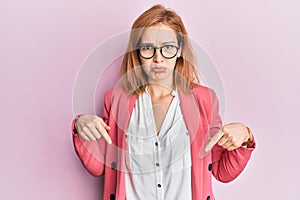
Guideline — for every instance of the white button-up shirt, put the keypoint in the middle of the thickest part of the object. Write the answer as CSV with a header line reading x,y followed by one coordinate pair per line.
x,y
158,165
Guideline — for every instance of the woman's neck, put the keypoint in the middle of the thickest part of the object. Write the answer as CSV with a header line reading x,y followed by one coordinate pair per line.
x,y
159,90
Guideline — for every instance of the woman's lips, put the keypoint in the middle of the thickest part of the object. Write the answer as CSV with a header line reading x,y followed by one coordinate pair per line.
x,y
159,69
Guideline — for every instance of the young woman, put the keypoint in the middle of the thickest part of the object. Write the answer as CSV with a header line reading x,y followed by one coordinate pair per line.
x,y
150,142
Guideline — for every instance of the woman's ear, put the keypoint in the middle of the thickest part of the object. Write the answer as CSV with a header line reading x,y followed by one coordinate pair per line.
x,y
179,50
179,53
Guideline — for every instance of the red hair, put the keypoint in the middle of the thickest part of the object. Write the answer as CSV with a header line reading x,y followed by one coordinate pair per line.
x,y
133,78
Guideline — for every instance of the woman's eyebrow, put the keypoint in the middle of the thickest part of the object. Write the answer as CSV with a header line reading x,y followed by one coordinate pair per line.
x,y
147,43
161,43
170,42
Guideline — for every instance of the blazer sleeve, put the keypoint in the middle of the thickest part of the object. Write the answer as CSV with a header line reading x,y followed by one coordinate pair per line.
x,y
226,165
91,153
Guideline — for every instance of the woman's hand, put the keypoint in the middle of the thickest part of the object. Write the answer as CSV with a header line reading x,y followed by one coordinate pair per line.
x,y
92,127
234,135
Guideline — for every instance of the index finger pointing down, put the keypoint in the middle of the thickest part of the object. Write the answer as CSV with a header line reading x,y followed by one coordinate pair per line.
x,y
104,133
214,140
104,124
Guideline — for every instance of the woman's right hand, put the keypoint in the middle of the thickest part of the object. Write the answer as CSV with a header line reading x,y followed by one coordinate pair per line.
x,y
92,127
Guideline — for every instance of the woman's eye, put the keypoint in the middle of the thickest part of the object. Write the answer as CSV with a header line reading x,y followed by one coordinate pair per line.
x,y
147,47
168,46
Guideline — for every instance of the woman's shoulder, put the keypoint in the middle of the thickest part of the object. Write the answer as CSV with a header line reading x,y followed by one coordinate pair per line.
x,y
117,90
117,93
206,97
203,91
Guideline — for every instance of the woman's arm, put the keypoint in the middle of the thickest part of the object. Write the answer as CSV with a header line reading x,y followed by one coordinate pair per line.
x,y
227,164
90,139
91,154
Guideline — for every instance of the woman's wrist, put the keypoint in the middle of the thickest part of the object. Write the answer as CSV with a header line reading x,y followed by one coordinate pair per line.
x,y
250,138
74,130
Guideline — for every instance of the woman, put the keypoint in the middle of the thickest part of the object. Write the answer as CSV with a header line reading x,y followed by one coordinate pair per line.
x,y
150,142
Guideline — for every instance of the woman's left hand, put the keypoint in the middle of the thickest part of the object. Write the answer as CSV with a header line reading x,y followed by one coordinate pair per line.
x,y
234,135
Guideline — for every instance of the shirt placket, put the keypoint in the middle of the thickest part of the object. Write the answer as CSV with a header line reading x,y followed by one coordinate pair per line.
x,y
158,173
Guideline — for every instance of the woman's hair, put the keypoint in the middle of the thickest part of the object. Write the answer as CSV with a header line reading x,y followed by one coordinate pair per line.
x,y
133,78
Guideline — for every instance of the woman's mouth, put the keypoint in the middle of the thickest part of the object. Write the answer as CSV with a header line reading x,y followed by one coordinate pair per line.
x,y
158,69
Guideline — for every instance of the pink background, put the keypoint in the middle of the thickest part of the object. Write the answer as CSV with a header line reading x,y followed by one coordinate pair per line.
x,y
254,44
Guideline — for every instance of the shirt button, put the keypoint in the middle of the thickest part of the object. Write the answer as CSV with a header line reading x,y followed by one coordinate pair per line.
x,y
126,136
187,133
159,185
157,164
156,143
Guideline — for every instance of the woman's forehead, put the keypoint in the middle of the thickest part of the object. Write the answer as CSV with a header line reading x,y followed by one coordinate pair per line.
x,y
159,34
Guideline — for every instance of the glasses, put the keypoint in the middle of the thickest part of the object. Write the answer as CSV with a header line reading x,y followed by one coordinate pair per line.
x,y
167,51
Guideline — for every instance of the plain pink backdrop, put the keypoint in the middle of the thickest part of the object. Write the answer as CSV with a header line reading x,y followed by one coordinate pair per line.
x,y
254,44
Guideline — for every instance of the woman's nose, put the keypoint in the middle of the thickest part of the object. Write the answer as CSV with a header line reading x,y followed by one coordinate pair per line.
x,y
157,56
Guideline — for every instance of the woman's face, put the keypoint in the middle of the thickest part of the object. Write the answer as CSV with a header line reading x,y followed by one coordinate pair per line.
x,y
158,68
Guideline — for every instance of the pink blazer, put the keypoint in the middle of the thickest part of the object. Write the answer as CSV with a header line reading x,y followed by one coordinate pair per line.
x,y
201,115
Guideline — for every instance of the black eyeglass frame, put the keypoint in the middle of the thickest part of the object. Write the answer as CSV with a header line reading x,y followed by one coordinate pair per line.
x,y
160,50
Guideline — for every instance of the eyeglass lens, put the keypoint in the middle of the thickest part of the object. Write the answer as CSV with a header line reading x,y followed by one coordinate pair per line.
x,y
167,51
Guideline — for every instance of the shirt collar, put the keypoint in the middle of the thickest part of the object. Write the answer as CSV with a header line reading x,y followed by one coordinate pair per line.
x,y
174,92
